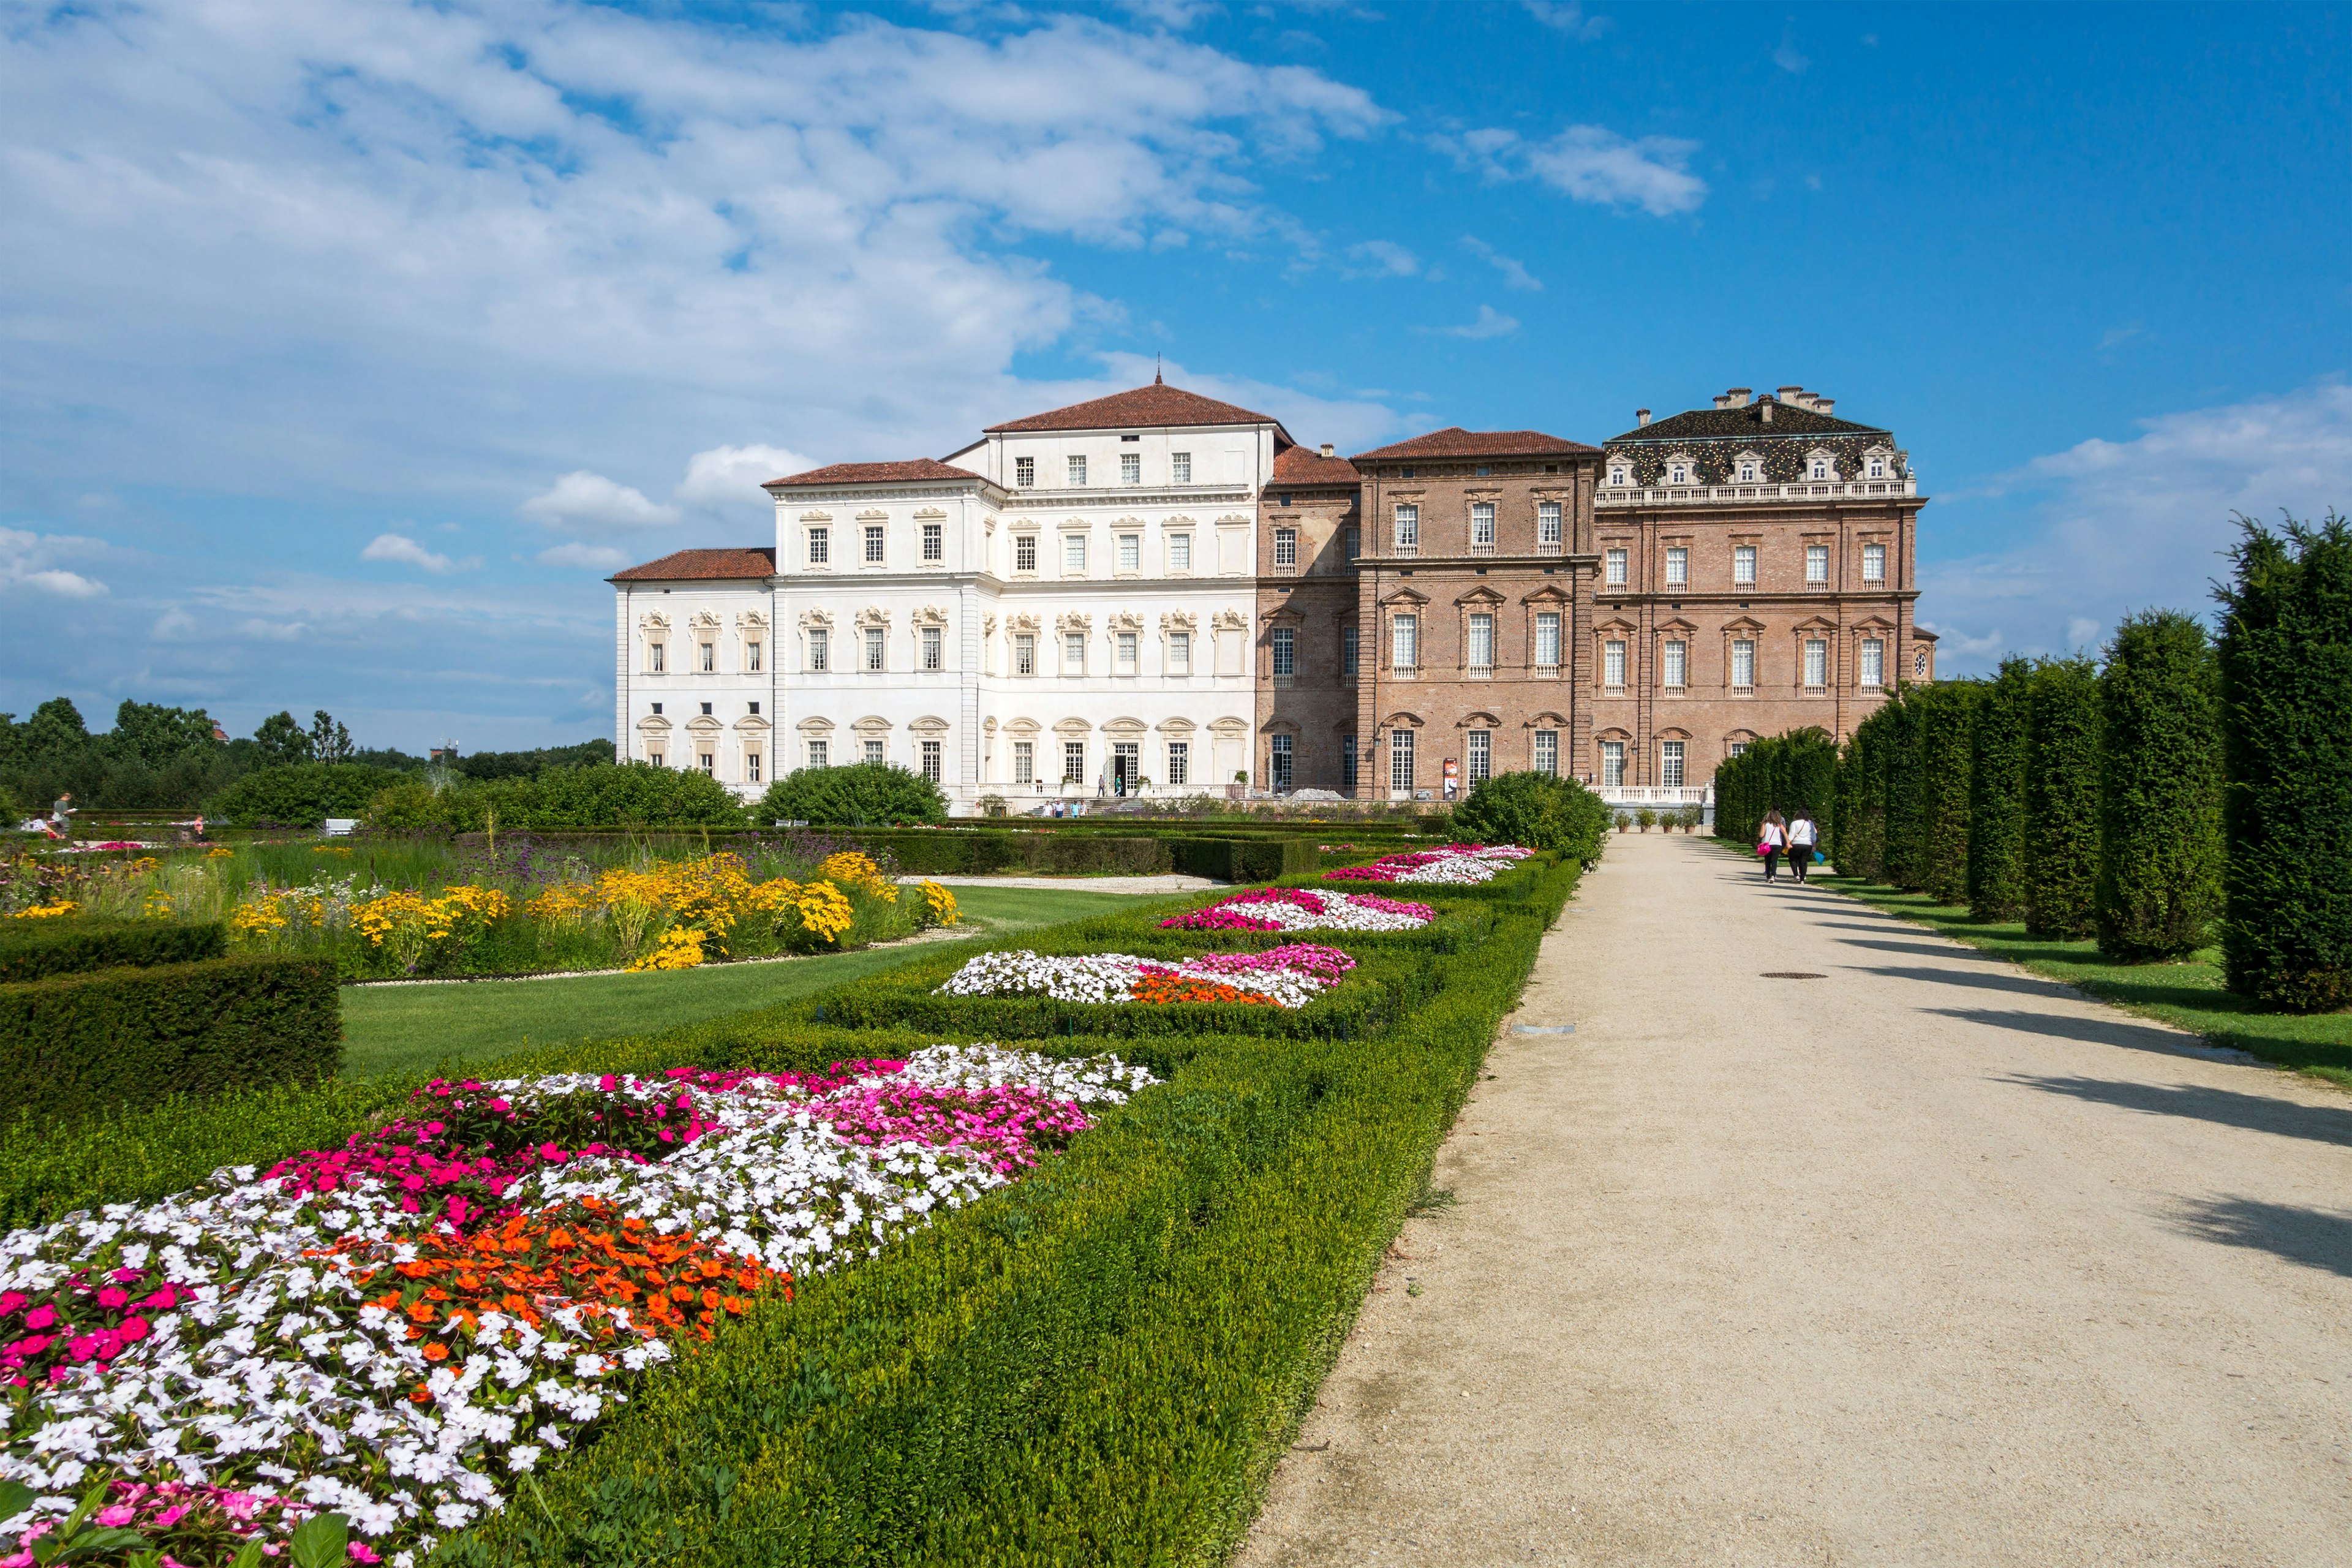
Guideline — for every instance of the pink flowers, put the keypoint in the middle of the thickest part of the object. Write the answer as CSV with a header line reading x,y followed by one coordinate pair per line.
x,y
1459,864
1302,909
1326,964
89,1318
1008,1126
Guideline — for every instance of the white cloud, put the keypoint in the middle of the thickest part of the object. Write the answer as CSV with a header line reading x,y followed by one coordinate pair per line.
x,y
27,560
1175,14
590,503
1383,259
1588,163
603,557
400,547
1787,55
1515,274
1491,323
2127,525
728,479
1567,16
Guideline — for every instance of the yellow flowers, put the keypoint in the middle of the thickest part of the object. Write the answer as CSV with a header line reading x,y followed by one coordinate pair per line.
x,y
408,924
857,869
259,918
942,904
44,911
825,910
220,852
680,948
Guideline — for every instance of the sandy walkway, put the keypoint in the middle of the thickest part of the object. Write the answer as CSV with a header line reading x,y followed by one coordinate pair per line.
x,y
1928,1262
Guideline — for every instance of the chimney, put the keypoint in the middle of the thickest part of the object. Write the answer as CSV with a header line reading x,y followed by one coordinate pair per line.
x,y
1327,448
1823,404
1641,416
1795,395
1723,400
1737,397
1764,409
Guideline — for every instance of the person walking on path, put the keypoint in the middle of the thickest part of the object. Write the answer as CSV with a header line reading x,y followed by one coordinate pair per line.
x,y
1775,839
1802,835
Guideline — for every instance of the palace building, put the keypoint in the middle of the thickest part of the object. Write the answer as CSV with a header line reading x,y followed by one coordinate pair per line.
x,y
1159,593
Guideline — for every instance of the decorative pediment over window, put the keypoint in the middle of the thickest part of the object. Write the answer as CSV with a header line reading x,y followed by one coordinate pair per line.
x,y
751,724
987,725
1549,593
1124,728
705,620
816,617
1229,727
1233,520
873,615
1815,626
1617,625
816,517
1740,737
815,726
1126,621
1406,598
653,621
1674,734
1478,721
1874,624
1070,523
873,514
1022,727
654,724
872,724
930,514
1023,622
1614,732
1176,726
1545,720
1179,520
1676,626
751,621
1401,722
988,629
1744,626
1278,726
1230,621
929,724
1178,621
703,724
1072,727
1482,596
931,616
1074,621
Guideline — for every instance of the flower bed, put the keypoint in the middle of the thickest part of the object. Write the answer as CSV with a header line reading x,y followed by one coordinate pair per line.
x,y
1287,976
1458,865
395,1330
1303,909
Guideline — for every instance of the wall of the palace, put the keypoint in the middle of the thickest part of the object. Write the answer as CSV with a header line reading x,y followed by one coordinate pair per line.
x,y
660,713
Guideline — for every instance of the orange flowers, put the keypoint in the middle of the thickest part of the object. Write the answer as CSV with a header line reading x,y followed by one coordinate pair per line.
x,y
1161,989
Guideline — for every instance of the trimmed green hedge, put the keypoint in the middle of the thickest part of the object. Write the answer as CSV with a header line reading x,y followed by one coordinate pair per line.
x,y
34,950
2061,798
1997,796
1243,859
75,1044
2160,789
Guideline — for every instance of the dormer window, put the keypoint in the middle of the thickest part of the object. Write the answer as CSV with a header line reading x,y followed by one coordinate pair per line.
x,y
1877,467
1748,471
1820,466
1619,475
1679,471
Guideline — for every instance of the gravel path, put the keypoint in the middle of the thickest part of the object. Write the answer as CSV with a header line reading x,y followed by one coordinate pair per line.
x,y
1928,1262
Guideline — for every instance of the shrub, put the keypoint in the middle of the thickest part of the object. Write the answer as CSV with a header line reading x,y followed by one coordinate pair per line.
x,y
1860,785
1997,796
2062,799
413,806
2287,728
1946,734
860,794
300,794
1900,855
2160,789
1791,773
1538,811
618,795
1243,859
76,1045
34,950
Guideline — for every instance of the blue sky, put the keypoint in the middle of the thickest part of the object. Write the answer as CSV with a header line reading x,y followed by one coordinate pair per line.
x,y
345,347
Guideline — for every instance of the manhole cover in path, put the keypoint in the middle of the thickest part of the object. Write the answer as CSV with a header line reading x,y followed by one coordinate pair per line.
x,y
1791,974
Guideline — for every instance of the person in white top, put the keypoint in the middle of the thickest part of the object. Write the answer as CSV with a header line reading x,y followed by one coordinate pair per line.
x,y
1774,838
1802,833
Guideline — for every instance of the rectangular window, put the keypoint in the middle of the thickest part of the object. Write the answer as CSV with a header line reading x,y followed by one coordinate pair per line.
x,y
1180,653
1180,762
873,537
1873,662
1074,653
1408,530
1743,565
1481,645
1078,471
874,750
1286,548
1547,642
1130,551
1547,527
1670,764
1348,764
1285,653
1024,653
1739,748
1400,762
1874,563
1350,651
1817,564
1482,528
657,658
875,640
1180,468
1180,553
1073,552
1352,541
751,657
1074,762
1613,663
931,761
707,653
1130,468
1676,662
1024,472
1817,662
1548,753
1404,644
934,637
820,546
1277,765
1025,552
750,767
1024,761
1612,764
1743,663
1125,646
820,644
1677,566
1482,755
707,763
816,754
1614,574
934,542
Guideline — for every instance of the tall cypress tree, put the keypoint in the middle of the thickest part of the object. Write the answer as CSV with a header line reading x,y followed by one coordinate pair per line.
x,y
2160,789
1997,796
1899,760
1946,726
2061,798
1861,805
2287,728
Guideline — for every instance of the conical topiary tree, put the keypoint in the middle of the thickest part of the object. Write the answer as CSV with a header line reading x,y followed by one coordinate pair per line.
x,y
1947,725
2061,798
1900,757
1861,840
2160,789
2287,728
1997,796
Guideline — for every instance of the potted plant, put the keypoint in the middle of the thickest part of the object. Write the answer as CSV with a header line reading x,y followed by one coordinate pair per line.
x,y
1623,821
1645,819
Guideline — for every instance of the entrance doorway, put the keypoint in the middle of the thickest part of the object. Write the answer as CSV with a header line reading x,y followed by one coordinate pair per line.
x,y
1126,766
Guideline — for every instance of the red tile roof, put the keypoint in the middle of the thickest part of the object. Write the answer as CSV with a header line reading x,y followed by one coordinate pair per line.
x,y
1157,404
1456,442
703,566
1306,466
913,469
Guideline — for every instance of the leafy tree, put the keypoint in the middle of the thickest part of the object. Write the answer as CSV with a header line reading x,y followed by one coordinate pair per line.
x,y
2160,789
2062,799
2286,729
1997,796
624,795
859,795
1788,773
156,735
54,730
329,742
1540,811
299,795
283,741
530,764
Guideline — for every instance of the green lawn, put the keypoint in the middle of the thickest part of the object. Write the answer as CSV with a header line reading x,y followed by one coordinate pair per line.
x,y
2188,996
407,1029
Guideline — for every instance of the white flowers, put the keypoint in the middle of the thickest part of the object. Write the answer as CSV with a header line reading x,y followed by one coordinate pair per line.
x,y
1123,977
